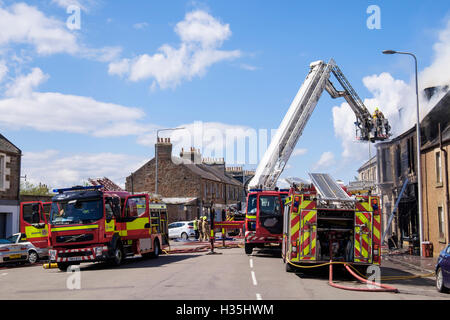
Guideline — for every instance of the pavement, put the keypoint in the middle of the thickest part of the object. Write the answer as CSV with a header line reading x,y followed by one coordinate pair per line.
x,y
421,264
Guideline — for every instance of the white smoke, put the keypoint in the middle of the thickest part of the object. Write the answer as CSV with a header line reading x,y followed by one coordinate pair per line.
x,y
396,99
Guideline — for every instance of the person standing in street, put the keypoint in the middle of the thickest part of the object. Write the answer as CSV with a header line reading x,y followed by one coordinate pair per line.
x,y
205,229
195,225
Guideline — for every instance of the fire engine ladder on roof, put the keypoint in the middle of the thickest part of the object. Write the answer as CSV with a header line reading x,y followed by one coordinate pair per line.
x,y
291,128
328,188
283,143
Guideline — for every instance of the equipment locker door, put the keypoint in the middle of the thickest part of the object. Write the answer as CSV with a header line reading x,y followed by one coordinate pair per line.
x,y
33,223
363,233
308,234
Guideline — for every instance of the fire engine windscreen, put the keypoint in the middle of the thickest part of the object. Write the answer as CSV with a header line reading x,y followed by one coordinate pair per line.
x,y
76,211
270,216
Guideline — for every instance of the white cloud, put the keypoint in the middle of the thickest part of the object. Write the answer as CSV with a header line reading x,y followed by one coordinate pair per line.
x,y
140,25
21,23
201,36
85,5
248,67
3,70
57,170
326,161
24,24
51,111
299,152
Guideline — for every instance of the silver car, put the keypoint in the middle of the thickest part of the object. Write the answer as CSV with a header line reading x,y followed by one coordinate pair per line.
x,y
13,250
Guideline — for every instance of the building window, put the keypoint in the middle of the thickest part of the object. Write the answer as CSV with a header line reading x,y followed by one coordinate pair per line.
x,y
2,171
441,222
398,161
204,190
438,167
411,157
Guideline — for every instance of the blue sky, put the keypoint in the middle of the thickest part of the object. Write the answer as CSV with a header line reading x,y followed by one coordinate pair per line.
x,y
74,117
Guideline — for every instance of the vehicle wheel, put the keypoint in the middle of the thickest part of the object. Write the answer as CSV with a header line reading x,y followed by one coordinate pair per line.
x,y
63,266
184,236
118,256
440,282
33,257
248,248
289,267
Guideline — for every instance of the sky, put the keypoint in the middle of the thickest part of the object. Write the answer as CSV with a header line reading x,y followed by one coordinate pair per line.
x,y
85,84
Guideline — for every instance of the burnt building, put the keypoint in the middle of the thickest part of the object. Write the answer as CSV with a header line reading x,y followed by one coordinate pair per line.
x,y
397,165
189,183
10,163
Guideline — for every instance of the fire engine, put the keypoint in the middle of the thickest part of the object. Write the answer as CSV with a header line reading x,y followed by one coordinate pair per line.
x,y
368,128
34,225
323,223
90,224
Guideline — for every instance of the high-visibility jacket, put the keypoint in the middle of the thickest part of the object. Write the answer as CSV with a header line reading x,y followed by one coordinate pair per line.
x,y
195,225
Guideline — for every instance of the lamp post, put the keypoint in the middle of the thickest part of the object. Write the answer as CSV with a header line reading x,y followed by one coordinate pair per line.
x,y
419,173
156,154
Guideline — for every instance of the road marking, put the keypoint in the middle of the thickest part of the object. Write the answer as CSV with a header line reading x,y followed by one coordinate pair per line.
x,y
251,263
258,296
254,278
4,274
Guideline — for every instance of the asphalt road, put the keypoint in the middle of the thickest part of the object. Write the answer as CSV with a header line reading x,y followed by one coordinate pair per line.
x,y
230,274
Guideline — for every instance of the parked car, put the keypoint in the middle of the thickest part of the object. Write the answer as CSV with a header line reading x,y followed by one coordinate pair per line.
x,y
14,249
443,271
181,229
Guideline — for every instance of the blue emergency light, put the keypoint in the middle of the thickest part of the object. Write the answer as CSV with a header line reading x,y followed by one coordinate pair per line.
x,y
79,188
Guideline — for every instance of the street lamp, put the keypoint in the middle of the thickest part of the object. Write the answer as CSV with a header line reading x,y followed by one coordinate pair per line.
x,y
419,174
156,154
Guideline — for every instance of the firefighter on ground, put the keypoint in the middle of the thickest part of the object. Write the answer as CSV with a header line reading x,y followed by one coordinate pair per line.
x,y
200,228
205,229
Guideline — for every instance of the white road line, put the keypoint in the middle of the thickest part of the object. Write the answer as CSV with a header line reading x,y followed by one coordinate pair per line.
x,y
258,296
251,263
4,274
254,278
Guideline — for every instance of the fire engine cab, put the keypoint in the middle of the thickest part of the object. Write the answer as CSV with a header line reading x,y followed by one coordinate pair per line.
x,y
323,223
89,224
264,219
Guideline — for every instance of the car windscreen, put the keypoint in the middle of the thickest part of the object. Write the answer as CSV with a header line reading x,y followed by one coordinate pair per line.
x,y
251,206
269,206
76,211
13,238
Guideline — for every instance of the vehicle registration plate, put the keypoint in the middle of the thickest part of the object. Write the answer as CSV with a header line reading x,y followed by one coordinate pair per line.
x,y
75,258
15,256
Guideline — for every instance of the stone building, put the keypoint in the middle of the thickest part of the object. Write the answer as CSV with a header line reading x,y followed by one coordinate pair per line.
x,y
367,179
434,160
238,173
10,162
201,182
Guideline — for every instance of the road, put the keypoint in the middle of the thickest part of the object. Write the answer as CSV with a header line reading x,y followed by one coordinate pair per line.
x,y
228,275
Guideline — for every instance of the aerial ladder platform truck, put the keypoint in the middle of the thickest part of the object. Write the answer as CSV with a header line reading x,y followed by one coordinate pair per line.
x,y
265,203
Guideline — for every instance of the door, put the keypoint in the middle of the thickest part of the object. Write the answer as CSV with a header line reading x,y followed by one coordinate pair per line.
x,y
308,234
136,218
33,223
363,237
3,225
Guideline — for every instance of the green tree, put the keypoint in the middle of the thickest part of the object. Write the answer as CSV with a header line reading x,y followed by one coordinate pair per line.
x,y
30,189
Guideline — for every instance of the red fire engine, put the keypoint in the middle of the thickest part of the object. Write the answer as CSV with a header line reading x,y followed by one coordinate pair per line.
x,y
318,229
88,224
264,219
